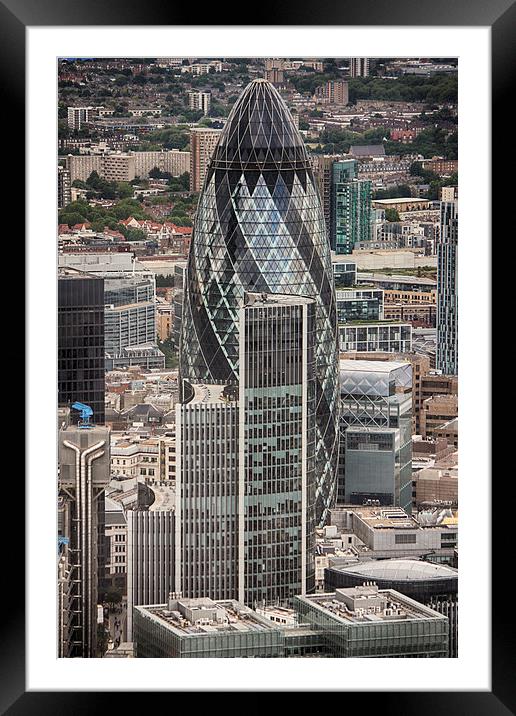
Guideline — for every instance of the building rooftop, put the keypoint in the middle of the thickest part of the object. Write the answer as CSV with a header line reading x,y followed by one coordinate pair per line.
x,y
196,617
368,604
400,570
371,366
267,299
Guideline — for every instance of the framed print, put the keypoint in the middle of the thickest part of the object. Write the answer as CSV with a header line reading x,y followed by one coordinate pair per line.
x,y
227,483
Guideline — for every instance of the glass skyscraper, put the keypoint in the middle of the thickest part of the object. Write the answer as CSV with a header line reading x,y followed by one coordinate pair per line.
x,y
260,228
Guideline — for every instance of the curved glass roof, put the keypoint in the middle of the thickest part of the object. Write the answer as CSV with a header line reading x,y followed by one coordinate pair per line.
x,y
400,570
260,133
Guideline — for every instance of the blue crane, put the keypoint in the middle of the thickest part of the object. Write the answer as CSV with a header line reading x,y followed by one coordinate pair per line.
x,y
86,413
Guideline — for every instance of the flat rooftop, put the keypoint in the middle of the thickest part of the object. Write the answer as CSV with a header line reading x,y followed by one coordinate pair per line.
x,y
197,617
207,393
371,366
275,299
368,604
385,517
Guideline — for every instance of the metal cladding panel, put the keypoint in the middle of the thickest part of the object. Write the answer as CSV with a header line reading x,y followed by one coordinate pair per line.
x,y
260,228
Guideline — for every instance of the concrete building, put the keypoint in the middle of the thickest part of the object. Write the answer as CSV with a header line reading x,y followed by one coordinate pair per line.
x,y
447,291
359,66
83,475
387,532
365,621
78,116
64,191
436,411
172,161
438,484
202,144
333,92
116,546
199,101
150,552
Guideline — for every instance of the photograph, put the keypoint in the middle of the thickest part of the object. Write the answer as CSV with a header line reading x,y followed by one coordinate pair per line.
x,y
257,357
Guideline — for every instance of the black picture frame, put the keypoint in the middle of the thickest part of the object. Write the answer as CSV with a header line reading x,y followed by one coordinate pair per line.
x,y
15,16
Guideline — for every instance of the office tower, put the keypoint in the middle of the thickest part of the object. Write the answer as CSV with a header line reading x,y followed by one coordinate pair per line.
x,y
353,214
150,553
277,448
129,302
260,228
80,341
359,66
246,471
207,526
333,92
200,101
202,144
64,187
447,294
274,71
84,469
375,460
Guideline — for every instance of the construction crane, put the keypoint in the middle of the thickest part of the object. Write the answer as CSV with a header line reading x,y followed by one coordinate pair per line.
x,y
86,413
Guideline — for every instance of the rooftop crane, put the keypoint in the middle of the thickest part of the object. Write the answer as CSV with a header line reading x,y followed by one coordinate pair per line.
x,y
86,413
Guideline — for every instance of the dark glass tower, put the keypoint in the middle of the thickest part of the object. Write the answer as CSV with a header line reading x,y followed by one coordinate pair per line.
x,y
80,342
260,228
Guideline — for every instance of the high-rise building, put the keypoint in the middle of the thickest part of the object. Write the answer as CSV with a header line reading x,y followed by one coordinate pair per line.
x,y
277,448
207,495
323,172
199,101
252,448
84,469
202,144
375,460
150,552
353,217
129,304
333,92
274,71
80,341
359,66
64,187
260,228
447,293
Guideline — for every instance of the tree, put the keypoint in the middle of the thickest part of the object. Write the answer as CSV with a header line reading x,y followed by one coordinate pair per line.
x,y
392,215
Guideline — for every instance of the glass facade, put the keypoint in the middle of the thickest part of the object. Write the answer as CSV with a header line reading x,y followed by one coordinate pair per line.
x,y
80,343
422,636
359,305
375,460
260,227
353,214
278,402
447,296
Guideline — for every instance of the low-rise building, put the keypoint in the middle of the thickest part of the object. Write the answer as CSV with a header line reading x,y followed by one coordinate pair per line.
x,y
365,621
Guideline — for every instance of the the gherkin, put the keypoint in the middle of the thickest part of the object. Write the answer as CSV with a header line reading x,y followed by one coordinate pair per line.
x,y
260,227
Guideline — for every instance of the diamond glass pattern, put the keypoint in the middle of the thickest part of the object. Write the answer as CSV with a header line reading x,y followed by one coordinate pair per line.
x,y
260,227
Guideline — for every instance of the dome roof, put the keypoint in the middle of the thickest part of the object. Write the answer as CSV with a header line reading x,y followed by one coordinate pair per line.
x,y
400,570
260,133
